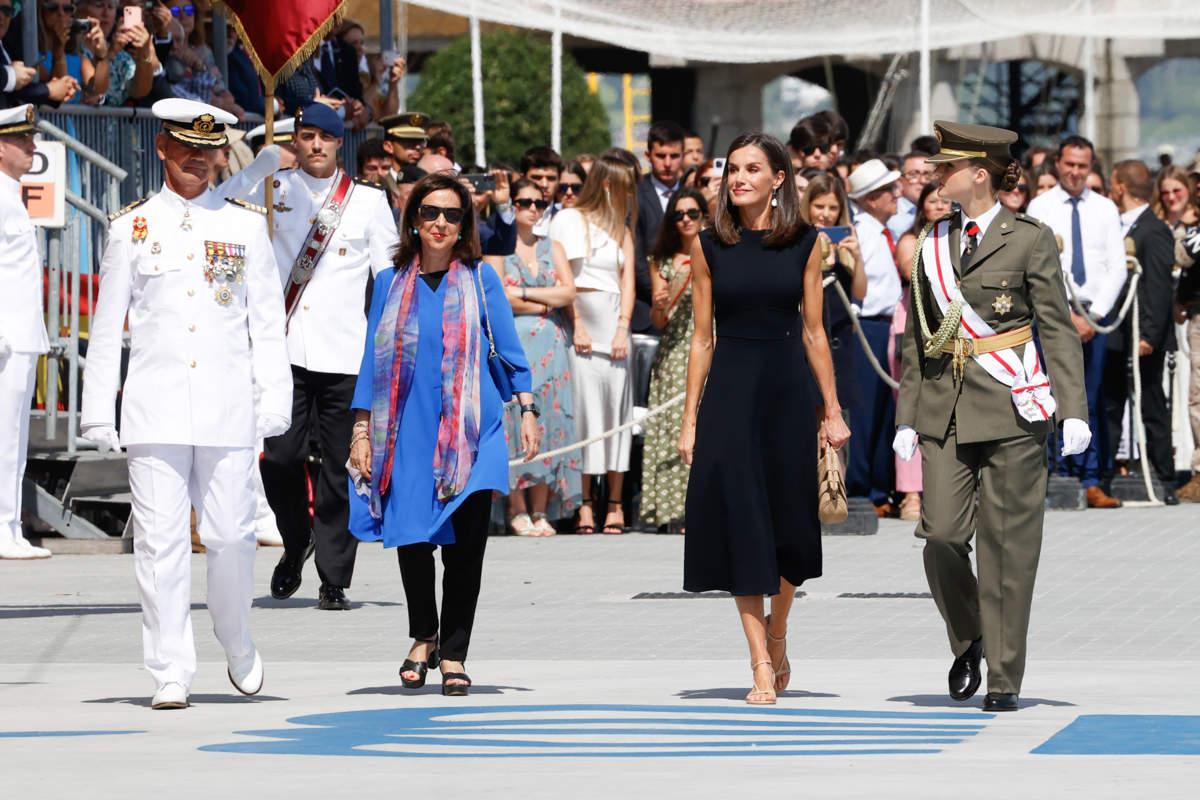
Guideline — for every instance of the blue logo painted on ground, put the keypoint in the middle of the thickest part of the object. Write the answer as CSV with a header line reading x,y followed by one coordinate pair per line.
x,y
1126,735
610,731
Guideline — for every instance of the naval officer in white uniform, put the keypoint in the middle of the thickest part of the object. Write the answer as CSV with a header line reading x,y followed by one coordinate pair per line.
x,y
22,326
331,234
197,278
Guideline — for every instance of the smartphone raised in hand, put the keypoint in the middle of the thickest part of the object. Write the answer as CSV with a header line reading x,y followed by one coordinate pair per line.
x,y
132,16
836,232
482,181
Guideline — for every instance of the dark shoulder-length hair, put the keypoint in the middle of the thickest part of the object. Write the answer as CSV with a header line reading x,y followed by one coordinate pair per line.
x,y
920,220
466,249
668,241
786,223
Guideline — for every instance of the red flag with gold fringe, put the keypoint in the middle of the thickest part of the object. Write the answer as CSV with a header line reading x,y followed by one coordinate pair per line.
x,y
280,34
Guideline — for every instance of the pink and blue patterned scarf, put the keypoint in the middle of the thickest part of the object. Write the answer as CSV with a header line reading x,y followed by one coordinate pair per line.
x,y
395,361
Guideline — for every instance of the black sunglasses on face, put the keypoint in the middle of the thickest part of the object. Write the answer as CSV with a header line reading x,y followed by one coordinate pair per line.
x,y
691,213
572,188
527,202
1021,187
431,213
816,148
704,180
53,8
6,11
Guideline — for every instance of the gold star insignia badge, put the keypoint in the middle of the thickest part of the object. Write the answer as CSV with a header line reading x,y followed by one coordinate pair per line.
x,y
1002,304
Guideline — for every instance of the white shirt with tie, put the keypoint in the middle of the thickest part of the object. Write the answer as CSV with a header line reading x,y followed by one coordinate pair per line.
x,y
883,280
1103,244
662,191
984,221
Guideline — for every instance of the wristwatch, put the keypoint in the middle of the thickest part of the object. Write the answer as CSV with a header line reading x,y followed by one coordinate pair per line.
x,y
531,408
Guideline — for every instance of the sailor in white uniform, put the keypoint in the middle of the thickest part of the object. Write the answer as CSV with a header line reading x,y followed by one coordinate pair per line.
x,y
22,325
197,277
331,234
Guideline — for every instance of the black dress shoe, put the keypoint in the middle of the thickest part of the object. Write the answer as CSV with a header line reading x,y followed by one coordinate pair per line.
x,y
965,676
333,598
1000,701
1170,498
285,580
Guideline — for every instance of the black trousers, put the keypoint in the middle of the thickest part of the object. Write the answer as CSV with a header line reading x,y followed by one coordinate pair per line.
x,y
320,405
1117,390
462,569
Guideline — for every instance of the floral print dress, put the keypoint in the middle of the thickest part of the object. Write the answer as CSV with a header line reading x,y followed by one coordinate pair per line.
x,y
546,342
664,475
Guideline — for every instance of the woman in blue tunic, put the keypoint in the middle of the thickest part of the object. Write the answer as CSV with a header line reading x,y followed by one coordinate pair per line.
x,y
428,447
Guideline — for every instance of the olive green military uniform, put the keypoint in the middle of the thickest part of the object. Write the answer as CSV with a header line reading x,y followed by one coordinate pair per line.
x,y
974,444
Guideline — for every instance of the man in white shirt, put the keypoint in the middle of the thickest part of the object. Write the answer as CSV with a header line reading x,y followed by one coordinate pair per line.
x,y
1093,263
543,166
332,235
22,326
915,175
871,471
197,279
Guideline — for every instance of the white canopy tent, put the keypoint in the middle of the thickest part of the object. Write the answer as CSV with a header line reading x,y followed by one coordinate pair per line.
x,y
758,31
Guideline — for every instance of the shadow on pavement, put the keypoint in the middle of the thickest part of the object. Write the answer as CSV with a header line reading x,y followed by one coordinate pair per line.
x,y
435,687
740,694
944,701
193,699
266,601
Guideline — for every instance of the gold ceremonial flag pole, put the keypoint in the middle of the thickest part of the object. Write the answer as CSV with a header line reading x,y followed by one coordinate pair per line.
x,y
269,188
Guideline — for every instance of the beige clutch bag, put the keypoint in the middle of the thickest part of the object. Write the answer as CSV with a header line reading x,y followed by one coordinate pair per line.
x,y
831,488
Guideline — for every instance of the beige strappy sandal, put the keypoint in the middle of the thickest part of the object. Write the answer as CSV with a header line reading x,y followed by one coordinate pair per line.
x,y
783,675
757,696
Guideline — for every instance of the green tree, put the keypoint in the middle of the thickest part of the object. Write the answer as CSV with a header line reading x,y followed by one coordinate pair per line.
x,y
516,98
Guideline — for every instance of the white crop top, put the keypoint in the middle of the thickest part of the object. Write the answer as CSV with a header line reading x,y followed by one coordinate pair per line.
x,y
595,258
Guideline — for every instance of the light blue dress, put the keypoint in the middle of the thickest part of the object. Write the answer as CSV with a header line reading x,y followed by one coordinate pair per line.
x,y
412,512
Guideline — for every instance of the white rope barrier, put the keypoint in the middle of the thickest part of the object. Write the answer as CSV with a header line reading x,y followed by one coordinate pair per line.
x,y
883,374
674,401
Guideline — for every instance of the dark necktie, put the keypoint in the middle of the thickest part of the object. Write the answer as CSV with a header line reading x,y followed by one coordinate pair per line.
x,y
1078,272
328,69
972,231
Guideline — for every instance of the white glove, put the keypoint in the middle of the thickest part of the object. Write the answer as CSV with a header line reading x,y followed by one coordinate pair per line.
x,y
5,350
905,443
104,437
1076,435
268,425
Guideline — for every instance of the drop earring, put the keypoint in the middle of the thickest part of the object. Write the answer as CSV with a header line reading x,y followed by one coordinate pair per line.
x,y
459,239
416,232
775,199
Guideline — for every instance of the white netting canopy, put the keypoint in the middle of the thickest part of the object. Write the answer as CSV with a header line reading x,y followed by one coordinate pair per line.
x,y
749,31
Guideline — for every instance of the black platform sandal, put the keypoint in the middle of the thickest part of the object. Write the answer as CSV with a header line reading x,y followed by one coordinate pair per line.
x,y
420,667
613,528
456,689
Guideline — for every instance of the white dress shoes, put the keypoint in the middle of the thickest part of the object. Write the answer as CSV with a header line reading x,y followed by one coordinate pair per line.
x,y
247,675
170,695
21,550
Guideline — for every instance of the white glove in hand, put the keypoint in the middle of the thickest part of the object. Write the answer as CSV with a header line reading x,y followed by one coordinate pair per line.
x,y
905,443
5,350
104,437
1075,437
268,425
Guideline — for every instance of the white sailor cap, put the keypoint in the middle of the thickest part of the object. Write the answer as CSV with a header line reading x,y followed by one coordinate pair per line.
x,y
193,123
284,130
18,119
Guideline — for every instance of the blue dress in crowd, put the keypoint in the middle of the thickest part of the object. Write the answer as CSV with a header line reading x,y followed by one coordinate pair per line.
x,y
546,345
412,512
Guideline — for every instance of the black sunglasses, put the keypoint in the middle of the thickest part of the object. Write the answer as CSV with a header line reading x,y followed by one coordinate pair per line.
x,y
573,188
67,8
691,213
6,11
808,151
526,202
1021,187
704,180
431,213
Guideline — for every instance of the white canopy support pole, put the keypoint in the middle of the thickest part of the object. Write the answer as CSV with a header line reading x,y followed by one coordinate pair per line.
x,y
1089,76
556,82
926,78
402,50
477,90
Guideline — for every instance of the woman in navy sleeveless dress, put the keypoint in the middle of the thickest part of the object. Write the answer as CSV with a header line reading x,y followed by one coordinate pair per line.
x,y
751,511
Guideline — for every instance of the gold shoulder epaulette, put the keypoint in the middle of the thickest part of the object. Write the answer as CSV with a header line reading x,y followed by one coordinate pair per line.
x,y
244,204
365,182
127,209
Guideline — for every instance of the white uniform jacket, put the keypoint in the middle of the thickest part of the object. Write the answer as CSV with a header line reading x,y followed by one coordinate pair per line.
x,y
22,314
198,346
329,327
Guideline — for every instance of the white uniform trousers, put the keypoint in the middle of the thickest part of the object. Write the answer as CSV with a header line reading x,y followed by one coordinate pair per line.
x,y
167,481
16,392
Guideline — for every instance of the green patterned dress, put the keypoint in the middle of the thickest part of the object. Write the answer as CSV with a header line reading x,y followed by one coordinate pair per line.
x,y
664,475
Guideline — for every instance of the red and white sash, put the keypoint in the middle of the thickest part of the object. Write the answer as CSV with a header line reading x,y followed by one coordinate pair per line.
x,y
326,222
1024,375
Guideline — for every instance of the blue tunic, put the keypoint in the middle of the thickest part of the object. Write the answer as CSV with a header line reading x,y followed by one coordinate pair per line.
x,y
411,510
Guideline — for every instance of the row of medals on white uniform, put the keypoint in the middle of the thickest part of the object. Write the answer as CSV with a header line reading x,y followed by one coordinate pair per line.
x,y
222,268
